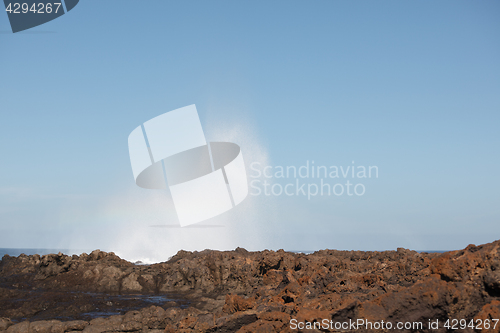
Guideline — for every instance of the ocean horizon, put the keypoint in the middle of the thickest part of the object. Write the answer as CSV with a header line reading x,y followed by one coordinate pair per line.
x,y
15,252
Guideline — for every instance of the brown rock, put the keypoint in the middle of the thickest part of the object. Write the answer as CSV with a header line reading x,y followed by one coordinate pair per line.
x,y
131,321
261,326
5,323
19,328
235,303
130,283
204,322
75,325
44,326
486,317
154,317
250,291
234,322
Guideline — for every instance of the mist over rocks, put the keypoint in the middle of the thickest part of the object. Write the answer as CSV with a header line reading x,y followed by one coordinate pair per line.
x,y
230,291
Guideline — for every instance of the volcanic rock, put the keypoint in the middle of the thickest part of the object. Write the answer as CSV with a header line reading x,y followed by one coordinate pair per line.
x,y
241,291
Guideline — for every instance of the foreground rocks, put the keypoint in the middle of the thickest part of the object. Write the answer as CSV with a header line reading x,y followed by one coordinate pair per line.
x,y
240,291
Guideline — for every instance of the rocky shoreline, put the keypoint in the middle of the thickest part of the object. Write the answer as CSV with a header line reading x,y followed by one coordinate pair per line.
x,y
241,291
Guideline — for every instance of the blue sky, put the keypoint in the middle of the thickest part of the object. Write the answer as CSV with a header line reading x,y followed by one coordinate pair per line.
x,y
411,87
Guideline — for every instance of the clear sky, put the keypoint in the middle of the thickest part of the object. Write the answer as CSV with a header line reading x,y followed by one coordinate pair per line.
x,y
411,87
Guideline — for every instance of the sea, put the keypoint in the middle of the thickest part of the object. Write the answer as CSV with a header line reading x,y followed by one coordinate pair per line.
x,y
15,252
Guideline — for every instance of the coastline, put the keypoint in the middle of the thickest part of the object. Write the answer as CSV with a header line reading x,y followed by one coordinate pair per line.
x,y
229,291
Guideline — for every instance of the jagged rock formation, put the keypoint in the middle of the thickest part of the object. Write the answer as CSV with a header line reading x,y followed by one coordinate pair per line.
x,y
241,291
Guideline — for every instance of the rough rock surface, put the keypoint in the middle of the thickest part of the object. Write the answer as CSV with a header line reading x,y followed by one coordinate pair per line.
x,y
241,291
